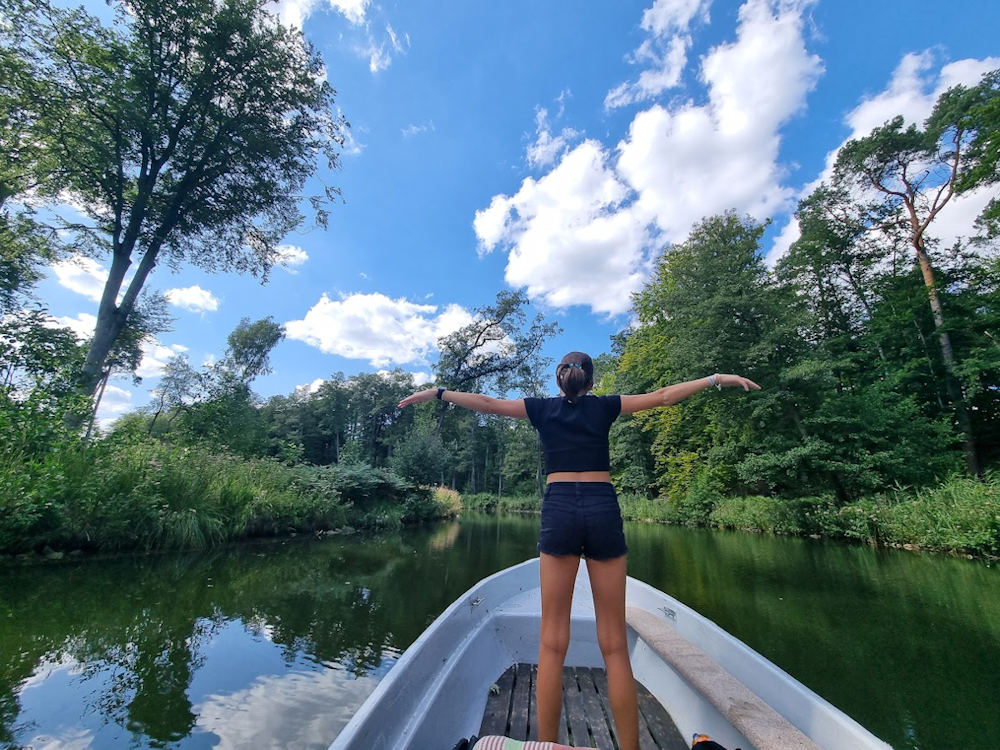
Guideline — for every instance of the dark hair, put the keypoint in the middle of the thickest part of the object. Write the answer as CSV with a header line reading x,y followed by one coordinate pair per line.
x,y
574,375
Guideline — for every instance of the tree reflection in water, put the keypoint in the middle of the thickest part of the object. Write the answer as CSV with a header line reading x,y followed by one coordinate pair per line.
x,y
278,644
134,648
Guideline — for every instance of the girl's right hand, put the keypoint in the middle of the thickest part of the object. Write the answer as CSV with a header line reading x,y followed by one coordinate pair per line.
x,y
419,397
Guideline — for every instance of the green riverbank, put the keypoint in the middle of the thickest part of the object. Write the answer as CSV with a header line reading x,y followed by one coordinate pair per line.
x,y
119,495
961,515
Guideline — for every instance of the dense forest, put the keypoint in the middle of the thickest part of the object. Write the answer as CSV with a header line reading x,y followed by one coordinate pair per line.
x,y
877,346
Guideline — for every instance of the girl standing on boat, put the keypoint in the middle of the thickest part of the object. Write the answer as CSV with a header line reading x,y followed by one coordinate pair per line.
x,y
581,517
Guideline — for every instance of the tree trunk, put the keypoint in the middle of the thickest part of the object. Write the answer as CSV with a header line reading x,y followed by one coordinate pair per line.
x,y
859,293
930,363
111,317
156,415
97,402
951,378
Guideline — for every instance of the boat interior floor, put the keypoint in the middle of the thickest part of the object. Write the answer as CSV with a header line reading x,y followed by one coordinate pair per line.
x,y
586,717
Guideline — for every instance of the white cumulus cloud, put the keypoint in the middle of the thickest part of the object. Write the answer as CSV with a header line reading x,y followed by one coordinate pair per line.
x,y
295,12
376,328
584,232
546,148
82,275
290,257
411,130
193,299
664,52
155,357
571,241
114,402
82,325
307,389
419,378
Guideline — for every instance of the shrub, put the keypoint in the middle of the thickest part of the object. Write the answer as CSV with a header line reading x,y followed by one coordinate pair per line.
x,y
449,501
962,514
807,515
695,505
365,486
419,507
639,507
485,502
751,513
519,504
141,493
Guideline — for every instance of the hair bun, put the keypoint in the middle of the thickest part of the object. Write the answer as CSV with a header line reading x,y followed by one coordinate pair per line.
x,y
574,375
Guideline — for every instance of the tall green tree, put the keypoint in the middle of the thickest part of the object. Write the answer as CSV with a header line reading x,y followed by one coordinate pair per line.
x,y
915,172
185,133
375,422
354,419
224,411
499,349
833,266
176,388
973,113
498,352
710,307
24,244
148,319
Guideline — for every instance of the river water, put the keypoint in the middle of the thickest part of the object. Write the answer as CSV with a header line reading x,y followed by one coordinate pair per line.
x,y
277,644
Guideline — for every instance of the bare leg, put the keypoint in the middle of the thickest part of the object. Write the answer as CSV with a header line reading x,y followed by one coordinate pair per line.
x,y
557,575
607,579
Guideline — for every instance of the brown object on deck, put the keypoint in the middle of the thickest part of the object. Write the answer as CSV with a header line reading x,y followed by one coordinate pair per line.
x,y
586,717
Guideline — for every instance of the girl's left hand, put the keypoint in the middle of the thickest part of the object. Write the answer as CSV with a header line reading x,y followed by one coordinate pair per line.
x,y
736,380
418,397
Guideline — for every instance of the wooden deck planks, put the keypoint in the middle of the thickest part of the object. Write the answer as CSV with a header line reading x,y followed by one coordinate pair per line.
x,y
519,703
573,710
598,713
498,705
661,726
586,718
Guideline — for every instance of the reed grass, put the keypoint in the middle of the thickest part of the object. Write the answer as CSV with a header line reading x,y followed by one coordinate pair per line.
x,y
151,495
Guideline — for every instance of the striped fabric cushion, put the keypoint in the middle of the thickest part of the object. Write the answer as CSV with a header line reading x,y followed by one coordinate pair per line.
x,y
496,742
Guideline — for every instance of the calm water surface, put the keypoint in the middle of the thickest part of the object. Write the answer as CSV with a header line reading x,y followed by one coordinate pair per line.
x,y
276,645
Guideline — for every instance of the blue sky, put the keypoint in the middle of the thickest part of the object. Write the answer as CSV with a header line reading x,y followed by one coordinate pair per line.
x,y
554,147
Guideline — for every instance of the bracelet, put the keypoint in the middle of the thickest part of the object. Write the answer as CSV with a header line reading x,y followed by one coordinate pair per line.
x,y
440,393
711,381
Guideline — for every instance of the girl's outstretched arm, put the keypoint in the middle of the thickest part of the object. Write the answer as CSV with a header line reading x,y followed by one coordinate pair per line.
x,y
476,401
672,394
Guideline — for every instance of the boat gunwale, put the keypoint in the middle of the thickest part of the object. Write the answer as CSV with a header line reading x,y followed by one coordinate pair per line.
x,y
519,600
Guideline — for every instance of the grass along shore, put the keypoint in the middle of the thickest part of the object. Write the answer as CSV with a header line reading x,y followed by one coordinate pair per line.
x,y
962,515
149,495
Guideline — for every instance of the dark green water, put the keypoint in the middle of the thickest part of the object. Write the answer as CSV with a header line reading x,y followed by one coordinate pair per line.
x,y
276,645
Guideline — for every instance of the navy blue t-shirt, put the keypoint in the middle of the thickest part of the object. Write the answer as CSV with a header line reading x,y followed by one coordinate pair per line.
x,y
574,436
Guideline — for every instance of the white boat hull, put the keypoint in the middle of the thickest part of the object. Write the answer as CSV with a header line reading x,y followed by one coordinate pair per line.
x,y
437,691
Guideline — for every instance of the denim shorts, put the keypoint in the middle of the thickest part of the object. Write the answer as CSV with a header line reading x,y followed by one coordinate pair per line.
x,y
582,518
